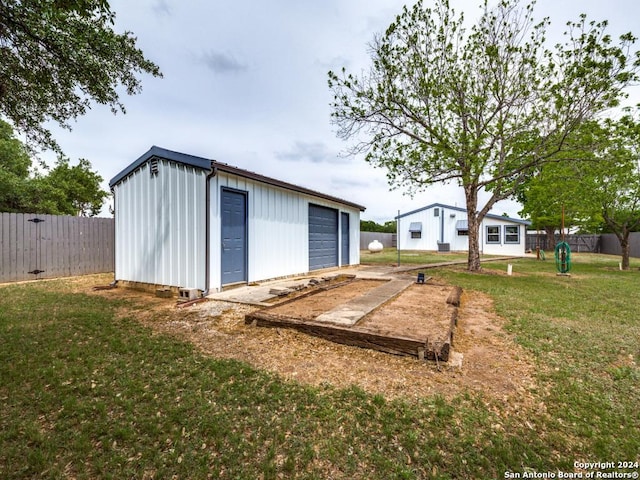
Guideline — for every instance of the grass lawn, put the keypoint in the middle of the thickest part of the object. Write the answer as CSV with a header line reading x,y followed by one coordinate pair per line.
x,y
389,256
86,393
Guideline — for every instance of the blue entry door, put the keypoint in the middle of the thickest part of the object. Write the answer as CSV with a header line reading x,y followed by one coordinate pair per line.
x,y
234,236
344,226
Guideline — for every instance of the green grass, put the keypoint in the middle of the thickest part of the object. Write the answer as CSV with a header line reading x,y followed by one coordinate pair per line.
x,y
585,333
87,394
389,256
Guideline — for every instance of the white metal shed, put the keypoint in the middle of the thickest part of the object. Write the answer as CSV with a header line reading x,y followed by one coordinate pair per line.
x,y
189,222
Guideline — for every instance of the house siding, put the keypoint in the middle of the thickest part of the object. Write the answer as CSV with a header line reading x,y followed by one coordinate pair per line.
x,y
443,229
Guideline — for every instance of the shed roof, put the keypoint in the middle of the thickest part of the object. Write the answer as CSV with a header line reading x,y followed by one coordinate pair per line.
x,y
207,164
459,209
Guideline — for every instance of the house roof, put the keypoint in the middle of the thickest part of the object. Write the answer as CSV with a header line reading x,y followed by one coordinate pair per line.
x,y
207,164
464,210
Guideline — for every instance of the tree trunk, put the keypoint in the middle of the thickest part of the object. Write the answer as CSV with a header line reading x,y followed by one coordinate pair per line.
x,y
626,250
551,237
473,260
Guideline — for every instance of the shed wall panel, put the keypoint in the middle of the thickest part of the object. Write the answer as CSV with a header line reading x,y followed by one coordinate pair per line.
x,y
160,226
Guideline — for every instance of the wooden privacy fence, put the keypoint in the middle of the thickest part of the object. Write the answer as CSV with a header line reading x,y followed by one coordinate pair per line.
x,y
388,240
589,243
44,246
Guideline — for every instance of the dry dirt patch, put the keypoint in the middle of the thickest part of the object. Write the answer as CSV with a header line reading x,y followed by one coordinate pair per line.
x,y
493,364
421,311
310,306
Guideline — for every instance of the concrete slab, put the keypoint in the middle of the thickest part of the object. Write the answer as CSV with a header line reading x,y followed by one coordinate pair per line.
x,y
260,294
252,294
350,312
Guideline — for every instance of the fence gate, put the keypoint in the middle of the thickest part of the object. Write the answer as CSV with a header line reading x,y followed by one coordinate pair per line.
x,y
36,257
47,246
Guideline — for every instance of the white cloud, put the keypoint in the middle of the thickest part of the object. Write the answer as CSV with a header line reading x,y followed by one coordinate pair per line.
x,y
246,83
222,62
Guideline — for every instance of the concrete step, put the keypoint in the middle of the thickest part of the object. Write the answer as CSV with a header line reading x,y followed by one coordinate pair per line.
x,y
350,312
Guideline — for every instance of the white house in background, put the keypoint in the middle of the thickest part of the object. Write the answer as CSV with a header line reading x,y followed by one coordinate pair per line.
x,y
194,223
445,228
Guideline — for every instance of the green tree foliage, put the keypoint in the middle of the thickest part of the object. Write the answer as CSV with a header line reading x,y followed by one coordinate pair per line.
x,y
556,187
59,56
596,181
14,170
482,108
65,190
371,226
75,189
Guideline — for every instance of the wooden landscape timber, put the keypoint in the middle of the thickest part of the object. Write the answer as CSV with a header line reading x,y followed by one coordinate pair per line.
x,y
353,336
397,343
454,297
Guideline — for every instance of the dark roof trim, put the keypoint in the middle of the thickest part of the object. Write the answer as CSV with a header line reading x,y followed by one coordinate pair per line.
x,y
206,164
158,152
464,210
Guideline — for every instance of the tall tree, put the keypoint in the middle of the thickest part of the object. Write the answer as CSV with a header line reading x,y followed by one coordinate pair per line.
x,y
482,109
75,188
59,56
615,181
14,170
596,180
554,193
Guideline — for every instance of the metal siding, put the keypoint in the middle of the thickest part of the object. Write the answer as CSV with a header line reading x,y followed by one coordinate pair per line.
x,y
215,280
502,248
459,242
160,226
354,243
278,232
430,234
345,239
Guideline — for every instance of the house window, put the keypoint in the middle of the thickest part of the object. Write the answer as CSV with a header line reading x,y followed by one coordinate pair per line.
x,y
462,227
493,234
416,229
436,212
511,234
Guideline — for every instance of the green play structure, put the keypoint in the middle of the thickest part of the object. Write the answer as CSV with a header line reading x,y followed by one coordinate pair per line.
x,y
563,252
563,257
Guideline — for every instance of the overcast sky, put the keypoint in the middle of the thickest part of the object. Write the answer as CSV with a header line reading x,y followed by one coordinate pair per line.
x,y
245,83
